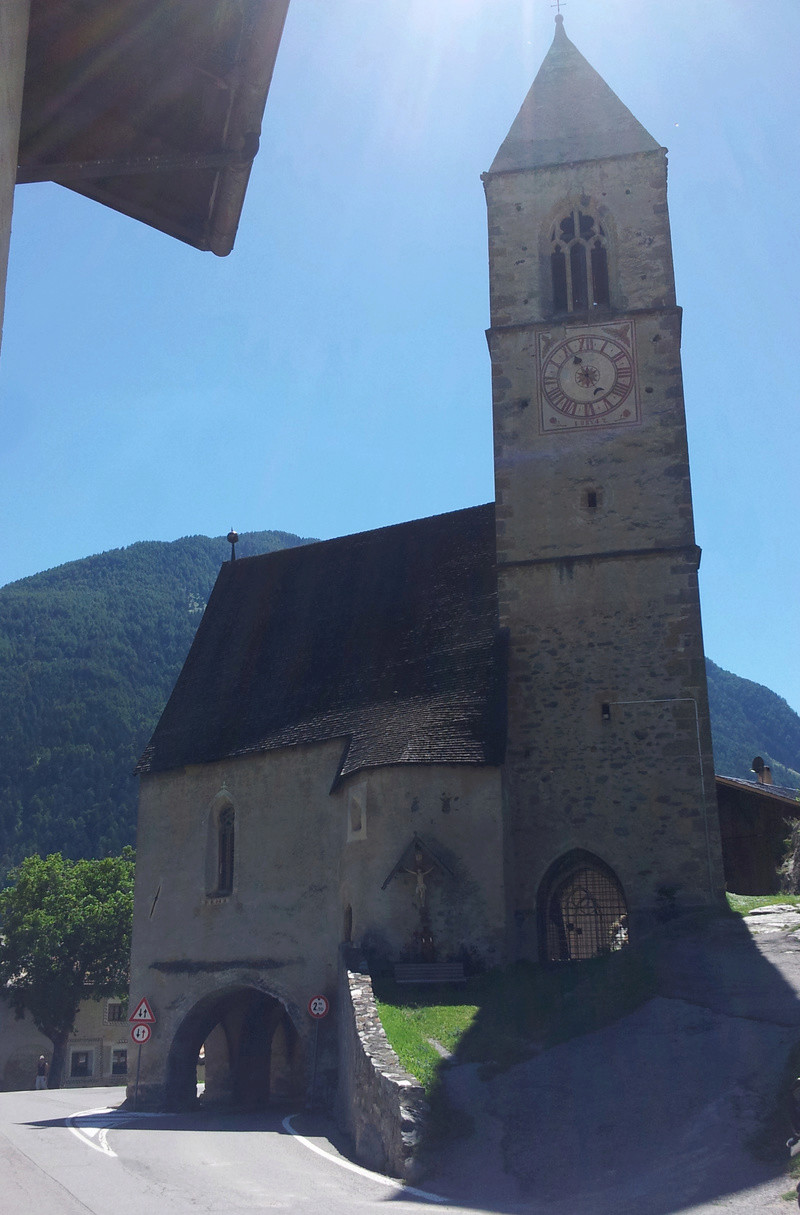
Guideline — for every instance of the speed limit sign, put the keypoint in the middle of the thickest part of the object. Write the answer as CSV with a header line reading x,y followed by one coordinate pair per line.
x,y
318,1007
141,1033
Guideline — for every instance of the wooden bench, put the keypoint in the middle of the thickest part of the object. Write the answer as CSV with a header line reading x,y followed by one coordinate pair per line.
x,y
429,972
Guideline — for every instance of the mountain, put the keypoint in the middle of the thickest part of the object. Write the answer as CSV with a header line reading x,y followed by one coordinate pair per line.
x,y
88,656
89,652
748,719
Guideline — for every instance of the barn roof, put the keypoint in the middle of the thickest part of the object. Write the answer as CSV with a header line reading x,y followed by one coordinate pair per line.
x,y
387,639
152,107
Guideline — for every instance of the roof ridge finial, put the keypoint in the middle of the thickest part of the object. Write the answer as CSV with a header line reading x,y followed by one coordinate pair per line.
x,y
559,15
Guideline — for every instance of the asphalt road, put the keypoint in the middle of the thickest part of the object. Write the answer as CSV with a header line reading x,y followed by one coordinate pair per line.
x,y
64,1153
649,1116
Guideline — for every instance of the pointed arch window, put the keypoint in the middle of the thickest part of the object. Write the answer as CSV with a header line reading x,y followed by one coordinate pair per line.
x,y
225,850
578,262
582,909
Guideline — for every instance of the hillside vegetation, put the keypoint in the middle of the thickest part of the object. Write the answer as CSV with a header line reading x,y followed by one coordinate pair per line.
x,y
748,720
88,656
89,652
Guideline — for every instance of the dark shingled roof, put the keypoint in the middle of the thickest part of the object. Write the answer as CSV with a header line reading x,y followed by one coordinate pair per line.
x,y
388,639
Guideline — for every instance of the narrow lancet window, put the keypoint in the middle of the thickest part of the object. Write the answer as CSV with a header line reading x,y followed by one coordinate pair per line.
x,y
578,242
225,833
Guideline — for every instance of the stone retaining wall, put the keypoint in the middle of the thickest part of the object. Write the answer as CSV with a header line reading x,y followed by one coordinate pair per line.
x,y
378,1103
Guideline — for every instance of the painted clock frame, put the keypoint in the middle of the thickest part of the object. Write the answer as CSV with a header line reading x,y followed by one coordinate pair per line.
x,y
587,377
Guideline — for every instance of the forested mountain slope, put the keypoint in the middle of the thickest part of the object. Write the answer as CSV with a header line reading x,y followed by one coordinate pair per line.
x,y
88,656
748,719
89,652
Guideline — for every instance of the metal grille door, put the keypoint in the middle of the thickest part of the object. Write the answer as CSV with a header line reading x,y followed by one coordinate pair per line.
x,y
586,915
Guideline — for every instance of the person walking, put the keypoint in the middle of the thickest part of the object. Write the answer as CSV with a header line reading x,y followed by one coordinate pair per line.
x,y
42,1068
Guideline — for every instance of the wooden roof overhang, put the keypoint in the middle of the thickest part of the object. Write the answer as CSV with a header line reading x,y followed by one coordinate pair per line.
x,y
151,107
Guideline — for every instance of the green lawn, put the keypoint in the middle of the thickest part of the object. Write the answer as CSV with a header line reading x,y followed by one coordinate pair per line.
x,y
504,1016
742,903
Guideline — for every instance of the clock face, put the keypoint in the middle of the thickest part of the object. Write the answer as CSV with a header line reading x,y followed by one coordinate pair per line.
x,y
587,377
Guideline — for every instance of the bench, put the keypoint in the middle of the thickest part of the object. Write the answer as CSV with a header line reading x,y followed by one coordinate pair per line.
x,y
429,972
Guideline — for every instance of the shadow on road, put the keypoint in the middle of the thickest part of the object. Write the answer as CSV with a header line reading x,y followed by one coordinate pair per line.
x,y
656,1113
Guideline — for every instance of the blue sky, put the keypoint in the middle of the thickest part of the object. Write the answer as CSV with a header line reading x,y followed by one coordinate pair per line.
x,y
331,375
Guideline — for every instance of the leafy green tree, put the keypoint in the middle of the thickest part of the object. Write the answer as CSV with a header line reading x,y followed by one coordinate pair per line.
x,y
65,936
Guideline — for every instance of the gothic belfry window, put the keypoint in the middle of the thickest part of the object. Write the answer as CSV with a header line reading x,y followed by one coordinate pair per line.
x,y
225,833
579,262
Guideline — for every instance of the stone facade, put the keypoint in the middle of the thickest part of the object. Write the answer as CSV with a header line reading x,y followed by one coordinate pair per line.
x,y
609,744
99,1050
309,872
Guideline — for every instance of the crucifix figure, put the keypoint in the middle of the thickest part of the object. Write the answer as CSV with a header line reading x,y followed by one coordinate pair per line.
x,y
420,874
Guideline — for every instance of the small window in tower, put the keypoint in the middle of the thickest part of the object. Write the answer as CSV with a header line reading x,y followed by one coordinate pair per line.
x,y
357,815
579,263
225,839
591,499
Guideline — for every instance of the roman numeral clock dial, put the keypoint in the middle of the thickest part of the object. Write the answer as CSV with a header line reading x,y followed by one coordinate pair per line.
x,y
587,377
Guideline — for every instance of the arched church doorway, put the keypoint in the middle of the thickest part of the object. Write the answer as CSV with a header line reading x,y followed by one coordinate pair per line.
x,y
250,1048
582,909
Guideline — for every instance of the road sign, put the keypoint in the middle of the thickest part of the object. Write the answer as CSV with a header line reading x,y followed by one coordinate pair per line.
x,y
143,1013
318,1007
141,1033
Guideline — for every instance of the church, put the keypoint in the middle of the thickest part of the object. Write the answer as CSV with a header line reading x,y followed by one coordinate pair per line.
x,y
472,738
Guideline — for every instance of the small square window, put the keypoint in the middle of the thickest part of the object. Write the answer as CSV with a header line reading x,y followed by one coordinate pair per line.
x,y
81,1064
114,1011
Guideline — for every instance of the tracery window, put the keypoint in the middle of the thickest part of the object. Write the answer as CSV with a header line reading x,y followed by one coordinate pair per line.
x,y
579,262
225,838
582,909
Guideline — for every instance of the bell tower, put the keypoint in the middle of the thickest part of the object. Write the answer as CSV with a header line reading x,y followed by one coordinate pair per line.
x,y
609,748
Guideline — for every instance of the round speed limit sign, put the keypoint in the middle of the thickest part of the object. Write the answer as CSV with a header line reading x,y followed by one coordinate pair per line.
x,y
318,1007
141,1033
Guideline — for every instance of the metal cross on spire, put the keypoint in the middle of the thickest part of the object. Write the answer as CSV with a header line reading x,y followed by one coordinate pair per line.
x,y
557,6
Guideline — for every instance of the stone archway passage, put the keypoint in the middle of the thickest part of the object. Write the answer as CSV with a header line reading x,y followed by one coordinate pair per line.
x,y
582,910
251,1052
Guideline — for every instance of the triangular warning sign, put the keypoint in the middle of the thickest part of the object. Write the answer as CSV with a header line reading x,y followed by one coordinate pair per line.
x,y
143,1013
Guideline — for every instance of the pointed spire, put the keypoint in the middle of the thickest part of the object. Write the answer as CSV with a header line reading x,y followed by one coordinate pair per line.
x,y
570,114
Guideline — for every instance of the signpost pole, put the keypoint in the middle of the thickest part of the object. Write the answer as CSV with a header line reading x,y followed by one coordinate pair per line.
x,y
318,1007
314,1067
143,1019
138,1069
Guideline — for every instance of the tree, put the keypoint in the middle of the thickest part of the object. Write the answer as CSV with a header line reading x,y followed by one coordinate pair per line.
x,y
65,936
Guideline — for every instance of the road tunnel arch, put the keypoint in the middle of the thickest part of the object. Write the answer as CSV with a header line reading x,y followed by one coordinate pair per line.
x,y
251,1049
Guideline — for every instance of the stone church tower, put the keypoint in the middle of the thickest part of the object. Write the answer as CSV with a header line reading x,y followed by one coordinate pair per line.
x,y
609,769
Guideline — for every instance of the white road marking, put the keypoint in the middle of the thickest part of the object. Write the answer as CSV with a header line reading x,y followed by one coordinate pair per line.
x,y
357,1168
97,1136
87,1134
